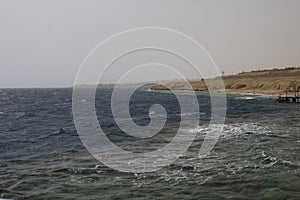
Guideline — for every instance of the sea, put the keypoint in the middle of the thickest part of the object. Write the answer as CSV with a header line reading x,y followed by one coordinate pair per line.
x,y
42,157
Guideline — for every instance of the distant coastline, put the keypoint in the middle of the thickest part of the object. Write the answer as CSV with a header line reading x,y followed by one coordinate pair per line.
x,y
277,81
272,81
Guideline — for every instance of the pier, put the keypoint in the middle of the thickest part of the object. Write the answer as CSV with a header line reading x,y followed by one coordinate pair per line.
x,y
290,99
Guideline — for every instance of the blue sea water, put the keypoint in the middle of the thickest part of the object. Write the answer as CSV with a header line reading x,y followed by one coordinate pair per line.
x,y
42,157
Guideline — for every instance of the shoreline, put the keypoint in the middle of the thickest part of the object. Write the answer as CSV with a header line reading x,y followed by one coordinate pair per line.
x,y
275,82
254,92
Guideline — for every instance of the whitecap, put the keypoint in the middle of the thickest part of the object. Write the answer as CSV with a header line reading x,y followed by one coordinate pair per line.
x,y
245,98
268,96
193,113
230,130
286,162
152,112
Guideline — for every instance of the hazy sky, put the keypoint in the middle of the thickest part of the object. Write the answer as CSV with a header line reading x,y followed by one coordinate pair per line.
x,y
43,42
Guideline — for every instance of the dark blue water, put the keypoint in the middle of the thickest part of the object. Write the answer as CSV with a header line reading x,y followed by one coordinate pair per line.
x,y
42,157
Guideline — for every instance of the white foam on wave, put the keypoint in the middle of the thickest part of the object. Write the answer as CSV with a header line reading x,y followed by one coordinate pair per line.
x,y
245,98
269,161
268,96
152,112
193,113
233,129
19,114
254,96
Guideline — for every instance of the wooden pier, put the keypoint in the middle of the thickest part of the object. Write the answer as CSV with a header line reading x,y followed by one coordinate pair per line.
x,y
290,99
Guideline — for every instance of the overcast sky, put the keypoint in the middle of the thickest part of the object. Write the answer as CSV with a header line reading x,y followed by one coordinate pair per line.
x,y
43,42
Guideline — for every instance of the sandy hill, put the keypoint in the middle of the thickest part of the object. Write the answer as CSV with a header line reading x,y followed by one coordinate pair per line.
x,y
274,81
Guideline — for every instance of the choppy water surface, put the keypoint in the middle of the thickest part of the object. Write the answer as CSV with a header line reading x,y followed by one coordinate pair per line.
x,y
41,156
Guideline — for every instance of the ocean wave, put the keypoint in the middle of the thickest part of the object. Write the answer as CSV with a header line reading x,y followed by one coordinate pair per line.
x,y
254,96
233,129
245,98
14,114
193,113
